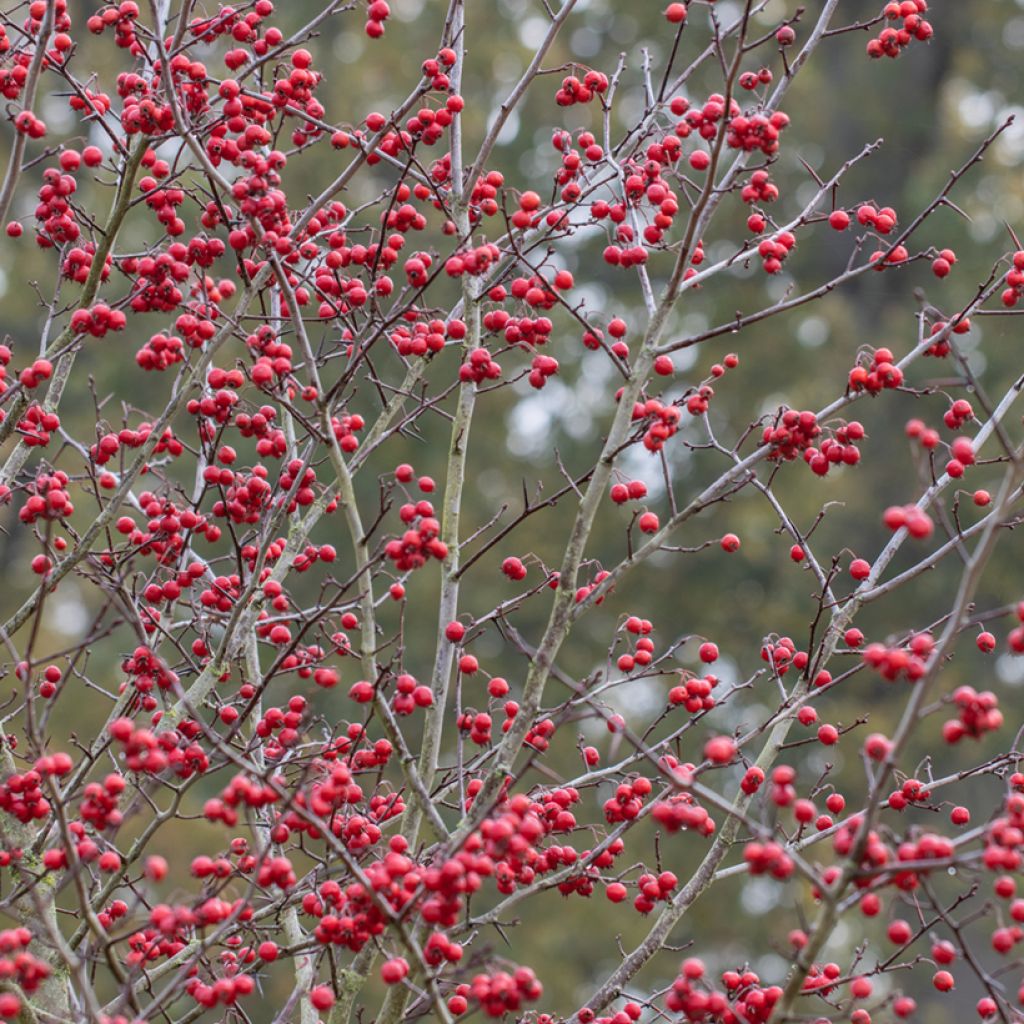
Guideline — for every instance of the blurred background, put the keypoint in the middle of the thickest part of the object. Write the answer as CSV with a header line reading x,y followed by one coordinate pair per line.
x,y
931,107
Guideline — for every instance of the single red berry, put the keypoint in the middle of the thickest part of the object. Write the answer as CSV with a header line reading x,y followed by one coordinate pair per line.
x,y
394,970
828,735
960,816
616,892
720,749
321,997
648,523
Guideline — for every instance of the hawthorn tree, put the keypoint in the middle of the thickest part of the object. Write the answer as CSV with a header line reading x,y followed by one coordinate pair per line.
x,y
243,522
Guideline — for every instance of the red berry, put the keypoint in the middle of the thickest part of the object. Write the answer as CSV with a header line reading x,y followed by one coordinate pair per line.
x,y
616,892
394,970
720,750
156,868
321,997
860,569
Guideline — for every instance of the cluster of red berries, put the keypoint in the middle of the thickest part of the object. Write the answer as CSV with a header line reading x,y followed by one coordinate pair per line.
x,y
959,412
477,724
751,1002
881,220
943,263
654,889
30,377
773,251
917,522
246,497
271,441
164,203
20,969
760,189
55,219
891,41
377,12
420,542
694,692
781,654
166,532
633,490
879,374
426,337
841,449
21,795
961,451
689,996
497,993
474,262
681,811
573,90
121,17
542,368
768,859
1014,281
156,287
426,126
663,422
147,671
628,800
643,653
792,433
141,113
978,714
756,132
165,937
894,663
409,695
917,430
99,804
36,426
524,331
704,119
1004,835
514,568
48,498
479,367
226,990
141,747
750,80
